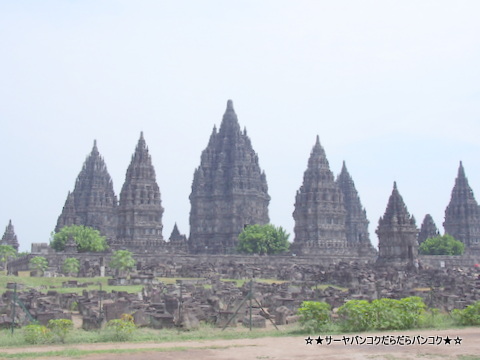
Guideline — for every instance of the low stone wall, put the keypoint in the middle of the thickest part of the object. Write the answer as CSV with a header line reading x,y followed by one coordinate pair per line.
x,y
228,266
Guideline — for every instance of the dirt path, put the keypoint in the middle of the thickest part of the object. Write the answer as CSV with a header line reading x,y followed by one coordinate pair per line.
x,y
286,348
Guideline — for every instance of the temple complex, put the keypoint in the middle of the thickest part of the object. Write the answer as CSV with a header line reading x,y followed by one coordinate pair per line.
x,y
428,229
93,201
397,234
462,215
9,237
229,190
140,208
320,214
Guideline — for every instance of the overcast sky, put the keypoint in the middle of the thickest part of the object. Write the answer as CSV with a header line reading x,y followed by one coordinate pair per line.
x,y
391,87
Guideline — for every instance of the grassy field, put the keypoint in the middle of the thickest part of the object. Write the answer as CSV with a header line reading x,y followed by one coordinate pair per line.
x,y
44,284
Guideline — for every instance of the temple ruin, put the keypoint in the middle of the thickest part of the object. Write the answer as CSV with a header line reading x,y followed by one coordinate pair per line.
x,y
229,190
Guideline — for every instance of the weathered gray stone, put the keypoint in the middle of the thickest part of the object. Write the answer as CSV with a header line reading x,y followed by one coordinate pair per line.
x,y
229,190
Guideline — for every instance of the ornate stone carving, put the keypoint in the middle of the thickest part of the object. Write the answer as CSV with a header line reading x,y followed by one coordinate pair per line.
x,y
229,189
140,208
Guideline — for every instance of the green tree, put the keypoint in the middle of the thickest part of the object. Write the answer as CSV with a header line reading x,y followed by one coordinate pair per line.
x,y
263,239
7,252
38,263
441,245
71,266
122,260
87,239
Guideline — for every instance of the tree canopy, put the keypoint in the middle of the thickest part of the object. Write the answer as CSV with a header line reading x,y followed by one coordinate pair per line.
x,y
263,239
86,238
441,245
38,263
122,260
7,252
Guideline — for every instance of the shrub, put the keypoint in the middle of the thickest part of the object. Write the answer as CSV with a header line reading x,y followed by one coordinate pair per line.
x,y
120,329
468,316
60,328
381,314
314,315
356,315
37,334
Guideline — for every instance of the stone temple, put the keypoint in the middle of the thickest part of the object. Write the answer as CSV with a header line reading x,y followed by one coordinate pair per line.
x,y
93,201
328,214
462,215
140,208
9,237
229,190
397,234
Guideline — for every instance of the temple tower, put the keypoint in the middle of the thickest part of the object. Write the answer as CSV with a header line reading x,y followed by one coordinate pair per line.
x,y
462,215
428,229
93,202
140,208
9,237
229,190
319,214
356,220
397,234
177,241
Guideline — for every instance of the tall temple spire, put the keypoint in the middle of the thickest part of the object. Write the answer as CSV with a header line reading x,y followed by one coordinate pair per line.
x,y
319,213
140,208
397,233
462,215
229,189
9,237
94,200
356,220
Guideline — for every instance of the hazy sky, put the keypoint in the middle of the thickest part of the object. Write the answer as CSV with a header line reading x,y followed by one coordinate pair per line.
x,y
391,87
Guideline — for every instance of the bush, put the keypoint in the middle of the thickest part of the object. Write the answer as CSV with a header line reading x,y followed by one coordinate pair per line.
x,y
314,316
37,334
356,315
468,316
60,328
381,314
120,329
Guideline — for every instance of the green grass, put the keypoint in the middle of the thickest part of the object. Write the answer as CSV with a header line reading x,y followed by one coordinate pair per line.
x,y
44,284
205,332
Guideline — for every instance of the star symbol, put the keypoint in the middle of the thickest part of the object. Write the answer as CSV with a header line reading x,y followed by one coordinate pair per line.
x,y
447,340
458,340
319,340
309,341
